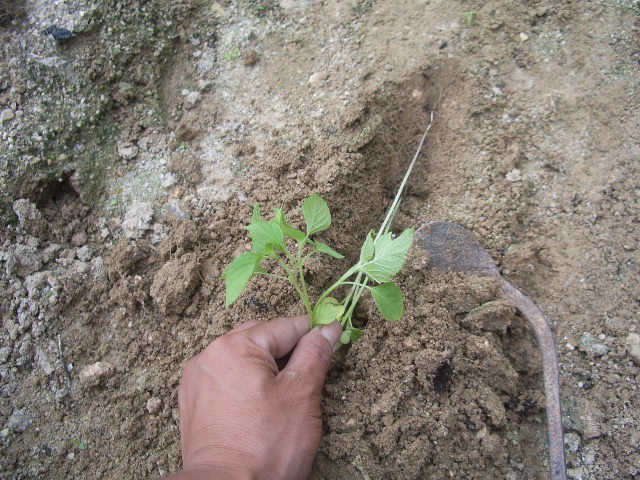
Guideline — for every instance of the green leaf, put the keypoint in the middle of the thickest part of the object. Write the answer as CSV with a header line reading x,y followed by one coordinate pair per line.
x,y
356,334
351,335
324,248
255,216
389,256
327,311
264,234
287,229
238,274
316,214
366,253
388,298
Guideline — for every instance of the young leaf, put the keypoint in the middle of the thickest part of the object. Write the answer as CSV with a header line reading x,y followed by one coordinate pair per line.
x,y
389,256
316,214
351,335
238,274
327,312
324,248
287,229
266,233
388,298
366,254
255,216
356,334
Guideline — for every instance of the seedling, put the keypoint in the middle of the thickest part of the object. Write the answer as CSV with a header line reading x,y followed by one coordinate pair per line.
x,y
233,54
470,16
275,243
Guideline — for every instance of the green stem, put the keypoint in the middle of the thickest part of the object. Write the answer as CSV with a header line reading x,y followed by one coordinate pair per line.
x,y
386,225
357,284
356,290
304,283
273,275
340,282
292,278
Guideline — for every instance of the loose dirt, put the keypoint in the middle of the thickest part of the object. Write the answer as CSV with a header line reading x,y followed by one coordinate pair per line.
x,y
534,149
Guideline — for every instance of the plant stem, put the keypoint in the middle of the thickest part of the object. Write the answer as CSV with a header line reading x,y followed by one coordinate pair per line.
x,y
273,275
303,283
340,282
396,201
292,278
359,285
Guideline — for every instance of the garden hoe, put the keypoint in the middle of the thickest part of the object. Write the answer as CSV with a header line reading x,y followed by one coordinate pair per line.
x,y
452,248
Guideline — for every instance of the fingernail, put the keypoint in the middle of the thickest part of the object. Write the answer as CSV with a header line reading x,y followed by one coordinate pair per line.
x,y
332,333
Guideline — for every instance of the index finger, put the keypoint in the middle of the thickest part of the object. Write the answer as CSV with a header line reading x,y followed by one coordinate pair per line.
x,y
278,336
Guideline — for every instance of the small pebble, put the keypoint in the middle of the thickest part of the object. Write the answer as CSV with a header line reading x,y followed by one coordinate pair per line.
x,y
7,115
94,374
514,175
315,79
153,405
633,346
127,151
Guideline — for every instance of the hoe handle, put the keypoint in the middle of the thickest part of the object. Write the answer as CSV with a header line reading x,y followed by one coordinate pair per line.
x,y
538,321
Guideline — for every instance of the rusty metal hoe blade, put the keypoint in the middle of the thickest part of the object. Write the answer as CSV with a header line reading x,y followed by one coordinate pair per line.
x,y
453,248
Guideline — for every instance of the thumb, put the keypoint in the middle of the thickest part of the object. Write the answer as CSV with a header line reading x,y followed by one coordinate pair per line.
x,y
311,358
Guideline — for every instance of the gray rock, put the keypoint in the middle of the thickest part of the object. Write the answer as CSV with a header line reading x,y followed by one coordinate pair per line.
x,y
98,269
29,217
192,99
316,79
572,442
588,344
137,219
27,260
514,175
84,253
19,420
46,359
96,373
175,209
157,233
7,115
153,405
5,352
633,347
584,417
575,473
35,282
79,239
127,150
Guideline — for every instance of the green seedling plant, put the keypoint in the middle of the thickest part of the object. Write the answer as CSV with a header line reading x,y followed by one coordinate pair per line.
x,y
233,54
470,16
279,247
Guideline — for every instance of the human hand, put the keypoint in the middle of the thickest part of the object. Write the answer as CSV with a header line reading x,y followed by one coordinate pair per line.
x,y
241,417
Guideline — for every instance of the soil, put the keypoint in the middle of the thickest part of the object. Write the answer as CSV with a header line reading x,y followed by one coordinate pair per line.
x,y
534,148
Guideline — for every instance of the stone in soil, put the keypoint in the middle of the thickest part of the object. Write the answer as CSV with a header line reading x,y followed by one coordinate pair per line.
x,y
96,373
19,420
633,346
137,219
175,283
